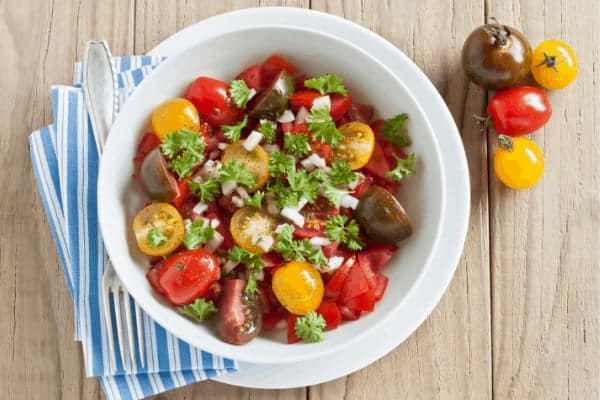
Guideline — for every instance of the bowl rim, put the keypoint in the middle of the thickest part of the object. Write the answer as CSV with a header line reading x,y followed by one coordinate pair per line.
x,y
223,351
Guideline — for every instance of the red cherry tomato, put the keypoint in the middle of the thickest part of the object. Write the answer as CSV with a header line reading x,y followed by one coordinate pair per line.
x,y
339,105
378,165
211,99
251,76
519,110
331,313
303,98
381,282
153,276
273,66
188,275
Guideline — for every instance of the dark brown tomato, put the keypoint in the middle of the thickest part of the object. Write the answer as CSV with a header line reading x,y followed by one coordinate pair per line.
x,y
274,99
382,217
240,315
157,180
496,56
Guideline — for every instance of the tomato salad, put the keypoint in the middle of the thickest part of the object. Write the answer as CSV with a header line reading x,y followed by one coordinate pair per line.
x,y
273,202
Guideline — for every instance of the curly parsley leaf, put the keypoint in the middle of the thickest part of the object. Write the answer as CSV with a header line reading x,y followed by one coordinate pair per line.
x,y
199,310
334,194
317,257
198,233
155,237
404,167
256,199
310,327
267,128
240,93
299,250
337,230
251,286
304,184
234,132
234,171
323,128
340,173
393,130
205,191
280,163
253,261
185,148
328,83
296,144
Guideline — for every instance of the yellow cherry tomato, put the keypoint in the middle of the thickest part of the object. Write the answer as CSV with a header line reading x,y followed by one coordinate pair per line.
x,y
356,147
174,115
158,229
298,287
255,161
554,64
518,162
249,226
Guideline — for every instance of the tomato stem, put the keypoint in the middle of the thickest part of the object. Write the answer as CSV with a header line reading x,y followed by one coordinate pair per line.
x,y
506,142
499,32
549,61
482,122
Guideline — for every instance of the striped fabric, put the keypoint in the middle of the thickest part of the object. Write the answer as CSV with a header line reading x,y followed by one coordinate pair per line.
x,y
65,162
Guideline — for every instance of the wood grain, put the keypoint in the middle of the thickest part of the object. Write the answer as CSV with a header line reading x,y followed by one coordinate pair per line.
x,y
520,319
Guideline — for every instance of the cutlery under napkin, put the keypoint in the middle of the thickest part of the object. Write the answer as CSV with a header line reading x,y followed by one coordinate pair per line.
x,y
65,162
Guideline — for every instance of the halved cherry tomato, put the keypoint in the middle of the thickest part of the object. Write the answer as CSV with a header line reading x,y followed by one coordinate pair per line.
x,y
357,145
255,161
355,284
336,283
291,330
188,275
298,287
251,76
153,276
339,105
247,226
166,219
519,110
331,313
303,98
273,66
174,115
518,163
211,98
148,143
554,64
378,165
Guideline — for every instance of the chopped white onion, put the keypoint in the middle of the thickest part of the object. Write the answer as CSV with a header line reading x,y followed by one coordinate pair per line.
x,y
358,179
242,192
251,94
321,102
228,267
221,145
319,241
302,115
293,215
228,187
349,202
214,223
237,201
265,242
313,161
334,263
301,203
286,116
252,140
215,242
271,148
260,275
199,208
210,169
187,223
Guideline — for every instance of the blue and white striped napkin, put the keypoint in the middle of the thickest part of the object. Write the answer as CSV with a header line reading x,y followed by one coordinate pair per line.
x,y
65,162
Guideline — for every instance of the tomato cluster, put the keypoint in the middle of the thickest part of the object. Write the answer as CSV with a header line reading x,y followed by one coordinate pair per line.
x,y
499,57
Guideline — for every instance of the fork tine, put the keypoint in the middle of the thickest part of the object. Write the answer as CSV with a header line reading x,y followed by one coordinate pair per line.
x,y
140,336
108,322
117,305
129,322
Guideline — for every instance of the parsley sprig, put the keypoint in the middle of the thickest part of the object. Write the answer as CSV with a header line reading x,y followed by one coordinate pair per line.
x,y
267,128
280,164
310,327
393,130
253,261
251,286
185,148
296,144
198,233
299,250
234,132
256,199
199,310
239,93
341,174
234,171
337,230
205,191
323,128
404,167
155,237
328,83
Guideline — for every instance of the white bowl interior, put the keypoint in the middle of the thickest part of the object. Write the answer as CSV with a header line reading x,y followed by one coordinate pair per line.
x,y
223,57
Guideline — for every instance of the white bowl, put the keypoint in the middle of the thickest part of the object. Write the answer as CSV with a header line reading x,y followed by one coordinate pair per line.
x,y
369,81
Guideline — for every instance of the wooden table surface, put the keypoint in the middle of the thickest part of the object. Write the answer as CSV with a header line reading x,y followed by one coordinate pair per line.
x,y
521,317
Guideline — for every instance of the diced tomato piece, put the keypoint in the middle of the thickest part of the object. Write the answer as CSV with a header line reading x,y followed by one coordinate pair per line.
x,y
355,284
251,76
364,302
363,186
368,271
272,259
322,149
291,329
303,98
377,165
153,276
148,143
184,192
307,233
330,250
331,313
360,112
272,66
286,126
336,283
339,105
348,314
300,128
374,258
270,320
381,282
299,82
